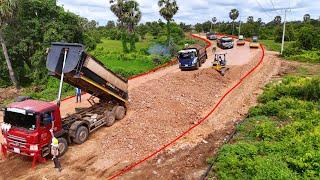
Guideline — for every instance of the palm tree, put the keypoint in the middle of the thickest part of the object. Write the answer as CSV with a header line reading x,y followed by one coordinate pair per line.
x,y
277,20
250,19
168,8
7,8
233,14
214,20
131,19
306,18
129,15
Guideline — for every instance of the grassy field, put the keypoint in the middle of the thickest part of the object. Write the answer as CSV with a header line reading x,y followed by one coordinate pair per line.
x,y
110,53
273,46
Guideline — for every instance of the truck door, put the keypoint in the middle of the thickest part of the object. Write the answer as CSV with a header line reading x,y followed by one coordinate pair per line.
x,y
45,125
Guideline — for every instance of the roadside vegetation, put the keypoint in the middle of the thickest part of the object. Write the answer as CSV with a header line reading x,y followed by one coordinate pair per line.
x,y
280,138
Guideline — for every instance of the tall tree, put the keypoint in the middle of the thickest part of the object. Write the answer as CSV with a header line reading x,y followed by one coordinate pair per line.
x,y
277,20
214,20
7,10
306,18
233,14
129,15
250,19
168,8
111,24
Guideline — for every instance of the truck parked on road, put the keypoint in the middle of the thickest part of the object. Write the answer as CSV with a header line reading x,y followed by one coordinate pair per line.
x,y
28,125
225,43
192,57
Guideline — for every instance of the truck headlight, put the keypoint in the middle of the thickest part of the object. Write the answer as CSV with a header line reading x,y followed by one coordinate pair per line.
x,y
34,147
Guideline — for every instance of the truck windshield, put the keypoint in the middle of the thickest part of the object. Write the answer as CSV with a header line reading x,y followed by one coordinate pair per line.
x,y
20,120
188,55
226,40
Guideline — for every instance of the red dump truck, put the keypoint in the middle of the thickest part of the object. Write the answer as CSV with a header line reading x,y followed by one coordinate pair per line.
x,y
28,125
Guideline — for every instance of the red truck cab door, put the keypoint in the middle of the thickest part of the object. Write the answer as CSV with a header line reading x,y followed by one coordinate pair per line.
x,y
46,120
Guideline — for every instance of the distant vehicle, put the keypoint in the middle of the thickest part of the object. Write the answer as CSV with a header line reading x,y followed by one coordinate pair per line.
x,y
254,43
192,57
225,43
241,41
211,36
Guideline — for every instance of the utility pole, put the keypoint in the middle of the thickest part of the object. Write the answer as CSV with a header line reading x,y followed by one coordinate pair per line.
x,y
240,27
284,30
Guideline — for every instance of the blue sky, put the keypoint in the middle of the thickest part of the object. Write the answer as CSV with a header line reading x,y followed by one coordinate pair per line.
x,y
193,11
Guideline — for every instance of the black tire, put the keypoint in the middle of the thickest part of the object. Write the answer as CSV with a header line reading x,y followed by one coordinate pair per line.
x,y
63,146
120,112
200,63
82,135
110,119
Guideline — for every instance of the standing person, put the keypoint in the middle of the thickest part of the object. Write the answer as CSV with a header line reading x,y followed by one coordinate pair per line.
x,y
78,95
55,154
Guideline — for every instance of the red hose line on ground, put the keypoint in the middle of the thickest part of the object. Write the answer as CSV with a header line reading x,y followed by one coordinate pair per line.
x,y
127,169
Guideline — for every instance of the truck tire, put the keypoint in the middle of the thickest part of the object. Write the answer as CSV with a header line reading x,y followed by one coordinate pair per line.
x,y
120,112
82,135
63,146
110,118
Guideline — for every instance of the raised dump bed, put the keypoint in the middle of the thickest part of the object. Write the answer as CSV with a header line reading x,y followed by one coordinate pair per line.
x,y
84,71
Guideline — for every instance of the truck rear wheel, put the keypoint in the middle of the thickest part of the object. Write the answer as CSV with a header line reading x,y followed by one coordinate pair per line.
x,y
120,112
110,118
81,135
63,146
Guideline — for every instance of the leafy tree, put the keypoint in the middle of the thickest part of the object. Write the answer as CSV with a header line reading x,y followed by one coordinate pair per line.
x,y
206,26
168,8
111,24
198,27
308,38
233,14
142,30
7,10
186,28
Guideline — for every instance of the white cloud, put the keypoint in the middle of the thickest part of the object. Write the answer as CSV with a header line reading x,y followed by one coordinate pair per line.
x,y
193,11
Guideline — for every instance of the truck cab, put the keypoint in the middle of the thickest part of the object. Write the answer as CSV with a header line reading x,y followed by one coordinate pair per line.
x,y
26,127
225,43
192,57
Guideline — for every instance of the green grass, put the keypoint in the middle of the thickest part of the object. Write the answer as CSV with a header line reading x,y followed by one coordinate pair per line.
x,y
109,52
280,139
273,46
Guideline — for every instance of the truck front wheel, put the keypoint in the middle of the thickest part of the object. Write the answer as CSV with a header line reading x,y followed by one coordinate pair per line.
x,y
81,135
63,146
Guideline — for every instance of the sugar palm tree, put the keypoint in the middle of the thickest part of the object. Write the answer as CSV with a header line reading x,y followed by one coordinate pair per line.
x,y
129,15
214,20
233,14
168,8
250,19
277,20
7,8
306,18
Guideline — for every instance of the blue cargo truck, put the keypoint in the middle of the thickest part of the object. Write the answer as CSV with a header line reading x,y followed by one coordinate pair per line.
x,y
192,57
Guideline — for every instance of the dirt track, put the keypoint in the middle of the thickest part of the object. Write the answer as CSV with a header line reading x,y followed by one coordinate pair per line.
x,y
162,105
